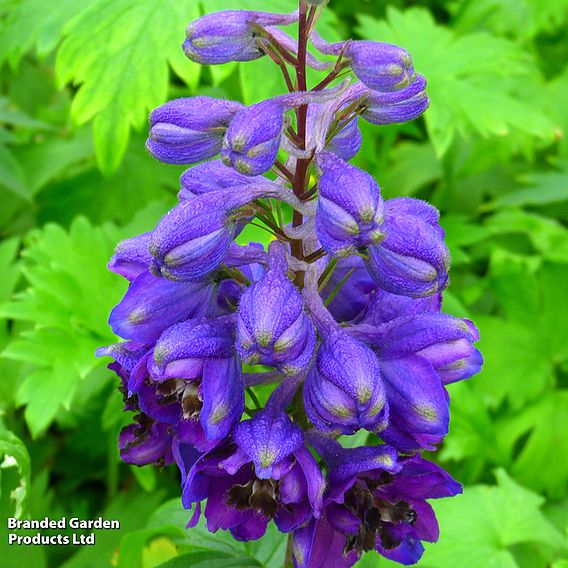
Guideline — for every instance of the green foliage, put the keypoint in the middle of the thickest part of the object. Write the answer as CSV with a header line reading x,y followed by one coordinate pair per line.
x,y
467,89
14,473
67,299
78,81
128,76
490,526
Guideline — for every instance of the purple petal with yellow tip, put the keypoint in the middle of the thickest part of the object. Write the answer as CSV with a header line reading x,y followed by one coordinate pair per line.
x,y
131,257
152,304
419,414
223,396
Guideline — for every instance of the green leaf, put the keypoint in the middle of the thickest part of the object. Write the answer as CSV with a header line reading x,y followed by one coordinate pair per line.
x,y
548,236
516,364
146,477
522,18
131,510
127,75
14,473
544,189
540,428
66,303
520,363
30,25
412,166
461,232
210,559
12,175
467,90
482,527
54,157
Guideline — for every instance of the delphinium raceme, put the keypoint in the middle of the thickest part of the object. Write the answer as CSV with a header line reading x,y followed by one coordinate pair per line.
x,y
340,316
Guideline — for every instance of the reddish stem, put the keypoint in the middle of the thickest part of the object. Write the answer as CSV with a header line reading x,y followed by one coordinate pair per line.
x,y
299,184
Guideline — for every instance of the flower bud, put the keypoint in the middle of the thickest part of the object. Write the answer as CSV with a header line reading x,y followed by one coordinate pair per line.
x,y
253,138
209,177
193,238
229,35
443,340
152,304
272,327
401,106
347,142
131,257
350,210
418,403
343,391
413,259
188,130
382,67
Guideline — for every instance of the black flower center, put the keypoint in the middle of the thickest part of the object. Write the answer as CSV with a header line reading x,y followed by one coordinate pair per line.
x,y
257,494
378,517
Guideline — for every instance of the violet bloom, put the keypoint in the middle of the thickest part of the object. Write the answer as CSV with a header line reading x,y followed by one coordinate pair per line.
x,y
253,138
378,501
393,108
152,304
350,209
209,177
193,238
145,442
343,391
268,474
380,66
229,35
131,257
186,131
413,260
196,360
347,142
272,327
344,306
419,354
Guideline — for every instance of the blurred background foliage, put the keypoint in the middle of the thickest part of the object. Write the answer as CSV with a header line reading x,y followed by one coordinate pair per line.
x,y
78,79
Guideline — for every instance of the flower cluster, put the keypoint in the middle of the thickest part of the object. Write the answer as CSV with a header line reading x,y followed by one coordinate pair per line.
x,y
341,313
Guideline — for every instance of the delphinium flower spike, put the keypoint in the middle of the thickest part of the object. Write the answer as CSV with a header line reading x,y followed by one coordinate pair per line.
x,y
336,324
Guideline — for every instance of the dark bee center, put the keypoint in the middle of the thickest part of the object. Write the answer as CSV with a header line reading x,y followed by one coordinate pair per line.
x,y
378,516
257,494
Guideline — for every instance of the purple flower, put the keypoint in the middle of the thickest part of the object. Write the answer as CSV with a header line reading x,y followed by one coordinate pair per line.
x,y
343,391
376,501
131,257
269,474
253,138
393,108
186,131
209,177
229,35
197,359
152,304
145,442
192,239
347,142
344,307
272,327
413,259
350,209
382,67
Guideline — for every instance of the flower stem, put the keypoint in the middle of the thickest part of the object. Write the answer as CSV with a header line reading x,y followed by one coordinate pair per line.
x,y
299,183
